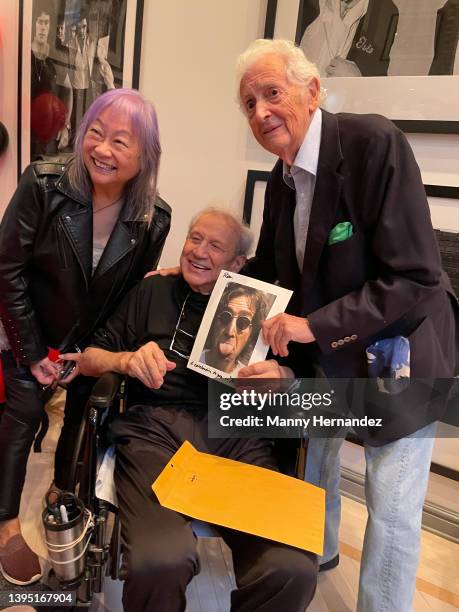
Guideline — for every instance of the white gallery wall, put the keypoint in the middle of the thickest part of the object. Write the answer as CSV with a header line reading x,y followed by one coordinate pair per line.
x,y
188,55
187,67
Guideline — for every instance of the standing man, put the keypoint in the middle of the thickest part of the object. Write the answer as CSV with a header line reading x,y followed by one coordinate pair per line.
x,y
50,94
346,226
86,63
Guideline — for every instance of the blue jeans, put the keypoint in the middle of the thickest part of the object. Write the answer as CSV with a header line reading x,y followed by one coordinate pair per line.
x,y
395,487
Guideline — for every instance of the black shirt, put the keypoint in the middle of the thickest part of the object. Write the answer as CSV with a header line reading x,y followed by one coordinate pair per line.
x,y
167,311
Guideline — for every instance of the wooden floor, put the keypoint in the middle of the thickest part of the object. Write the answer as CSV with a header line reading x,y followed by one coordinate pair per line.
x,y
437,583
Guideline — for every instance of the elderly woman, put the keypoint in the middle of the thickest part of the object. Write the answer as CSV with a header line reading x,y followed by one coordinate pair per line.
x,y
74,239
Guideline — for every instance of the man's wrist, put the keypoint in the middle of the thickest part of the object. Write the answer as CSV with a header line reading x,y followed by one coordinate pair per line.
x,y
308,325
286,372
121,367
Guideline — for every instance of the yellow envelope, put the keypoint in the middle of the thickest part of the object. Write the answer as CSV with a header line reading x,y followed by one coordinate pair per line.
x,y
243,497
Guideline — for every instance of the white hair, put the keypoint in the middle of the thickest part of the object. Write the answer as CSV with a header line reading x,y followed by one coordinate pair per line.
x,y
298,68
244,233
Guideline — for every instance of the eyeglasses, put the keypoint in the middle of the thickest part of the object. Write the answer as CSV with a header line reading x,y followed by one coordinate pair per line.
x,y
182,341
242,322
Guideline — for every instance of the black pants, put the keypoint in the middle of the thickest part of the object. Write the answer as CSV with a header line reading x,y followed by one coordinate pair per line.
x,y
19,423
160,556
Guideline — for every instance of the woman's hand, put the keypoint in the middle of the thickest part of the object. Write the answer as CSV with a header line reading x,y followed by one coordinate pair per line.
x,y
175,271
73,373
45,371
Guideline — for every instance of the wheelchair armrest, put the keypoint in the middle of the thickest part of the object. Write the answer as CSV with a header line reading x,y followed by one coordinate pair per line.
x,y
105,390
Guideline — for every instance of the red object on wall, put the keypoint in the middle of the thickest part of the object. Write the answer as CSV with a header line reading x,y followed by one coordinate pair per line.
x,y
47,116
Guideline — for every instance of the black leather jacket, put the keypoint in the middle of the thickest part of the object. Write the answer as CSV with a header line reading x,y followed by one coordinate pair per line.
x,y
48,296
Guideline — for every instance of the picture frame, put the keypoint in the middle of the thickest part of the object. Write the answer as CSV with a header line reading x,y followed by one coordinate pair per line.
x,y
271,9
70,51
230,335
411,102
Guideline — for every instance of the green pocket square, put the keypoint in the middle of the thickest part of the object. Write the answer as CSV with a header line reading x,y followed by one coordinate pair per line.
x,y
341,231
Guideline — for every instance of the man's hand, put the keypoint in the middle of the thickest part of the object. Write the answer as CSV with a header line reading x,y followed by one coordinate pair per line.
x,y
175,271
106,73
340,67
266,369
45,371
281,329
148,364
265,376
63,138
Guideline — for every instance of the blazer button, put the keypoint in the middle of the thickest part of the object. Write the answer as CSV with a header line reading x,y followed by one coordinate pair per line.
x,y
68,218
334,344
354,337
340,342
347,339
133,241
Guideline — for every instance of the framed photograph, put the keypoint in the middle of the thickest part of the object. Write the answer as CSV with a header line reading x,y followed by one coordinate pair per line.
x,y
229,336
70,52
271,9
254,199
392,57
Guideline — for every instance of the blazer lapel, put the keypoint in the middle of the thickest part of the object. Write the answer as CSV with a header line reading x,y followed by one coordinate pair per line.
x,y
325,201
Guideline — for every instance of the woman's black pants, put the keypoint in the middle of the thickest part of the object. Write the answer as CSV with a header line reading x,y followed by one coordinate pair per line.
x,y
20,420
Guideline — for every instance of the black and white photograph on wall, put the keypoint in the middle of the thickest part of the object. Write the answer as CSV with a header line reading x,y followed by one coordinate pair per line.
x,y
72,51
349,38
230,337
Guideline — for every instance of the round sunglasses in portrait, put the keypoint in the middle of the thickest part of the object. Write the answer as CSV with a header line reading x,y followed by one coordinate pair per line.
x,y
242,322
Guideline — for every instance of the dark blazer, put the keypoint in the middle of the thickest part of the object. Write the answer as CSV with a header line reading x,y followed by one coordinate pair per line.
x,y
48,295
383,281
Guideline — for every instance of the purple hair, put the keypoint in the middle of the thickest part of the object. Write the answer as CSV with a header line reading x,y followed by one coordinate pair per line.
x,y
140,192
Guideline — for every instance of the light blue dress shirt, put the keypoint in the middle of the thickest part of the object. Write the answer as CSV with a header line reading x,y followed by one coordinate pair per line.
x,y
301,177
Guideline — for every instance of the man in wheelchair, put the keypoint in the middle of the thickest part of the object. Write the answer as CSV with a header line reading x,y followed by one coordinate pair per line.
x,y
149,339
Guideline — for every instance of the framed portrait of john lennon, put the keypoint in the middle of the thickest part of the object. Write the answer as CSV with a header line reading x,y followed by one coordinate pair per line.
x,y
70,52
230,335
399,58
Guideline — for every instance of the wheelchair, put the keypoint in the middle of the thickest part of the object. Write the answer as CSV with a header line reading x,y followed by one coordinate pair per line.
x,y
109,398
102,547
